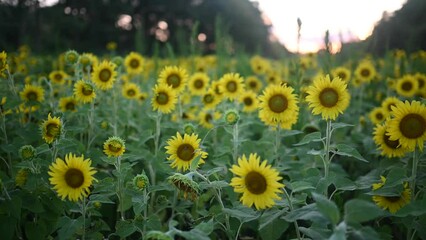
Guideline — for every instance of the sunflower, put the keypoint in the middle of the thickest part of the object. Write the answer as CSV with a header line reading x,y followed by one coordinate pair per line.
x,y
73,177
273,77
142,97
58,77
71,57
253,83
184,150
87,61
114,147
206,118
250,101
134,63
231,85
164,99
365,71
210,100
421,79
3,63
186,186
388,103
104,75
378,115
198,83
407,86
408,124
51,129
341,72
392,203
258,182
278,104
328,98
130,90
259,65
389,148
32,93
174,76
68,104
84,91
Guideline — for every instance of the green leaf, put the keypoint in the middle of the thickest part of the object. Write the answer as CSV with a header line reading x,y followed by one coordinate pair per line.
x,y
311,137
139,202
269,216
274,229
315,232
346,150
316,152
339,232
194,163
214,184
244,214
340,125
102,198
300,186
308,212
7,227
327,208
68,227
125,228
414,208
35,230
206,227
345,184
288,133
358,210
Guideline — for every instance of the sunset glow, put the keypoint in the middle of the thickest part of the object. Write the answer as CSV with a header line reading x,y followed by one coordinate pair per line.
x,y
345,20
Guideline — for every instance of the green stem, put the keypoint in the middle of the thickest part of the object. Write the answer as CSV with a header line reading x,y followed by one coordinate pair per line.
x,y
6,141
414,173
238,230
114,108
219,199
83,213
120,188
277,143
290,204
235,142
326,159
90,130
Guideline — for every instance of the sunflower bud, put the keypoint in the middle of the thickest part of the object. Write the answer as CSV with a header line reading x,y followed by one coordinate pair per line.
x,y
27,152
118,61
21,177
97,204
185,185
232,117
114,147
140,182
71,57
189,128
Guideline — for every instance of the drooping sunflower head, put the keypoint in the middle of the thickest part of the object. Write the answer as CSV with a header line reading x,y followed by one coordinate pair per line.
x,y
58,77
21,177
328,97
391,203
84,91
174,76
68,104
141,182
378,115
164,98
365,71
231,85
250,101
253,83
342,72
32,93
27,152
104,75
134,63
184,150
114,147
72,178
186,186
257,181
51,129
198,83
130,90
408,124
389,148
407,86
278,104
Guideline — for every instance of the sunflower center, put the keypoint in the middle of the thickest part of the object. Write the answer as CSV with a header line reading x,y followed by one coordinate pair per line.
x,y
185,152
70,106
208,117
87,90
52,130
32,96
208,98
162,98
231,86
58,77
131,92
390,106
255,183
421,82
328,97
342,75
365,72
394,144
74,178
105,75
248,101
114,147
253,84
407,86
379,116
393,199
173,80
198,84
134,63
278,103
412,126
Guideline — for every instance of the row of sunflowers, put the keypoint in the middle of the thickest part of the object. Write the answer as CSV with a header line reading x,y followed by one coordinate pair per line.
x,y
212,147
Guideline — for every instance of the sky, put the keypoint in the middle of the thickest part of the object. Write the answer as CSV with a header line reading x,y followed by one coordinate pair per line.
x,y
351,19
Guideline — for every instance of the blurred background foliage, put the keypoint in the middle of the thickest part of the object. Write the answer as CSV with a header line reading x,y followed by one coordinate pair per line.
x,y
148,26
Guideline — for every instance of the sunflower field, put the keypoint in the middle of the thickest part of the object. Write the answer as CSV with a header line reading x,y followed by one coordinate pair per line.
x,y
126,146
